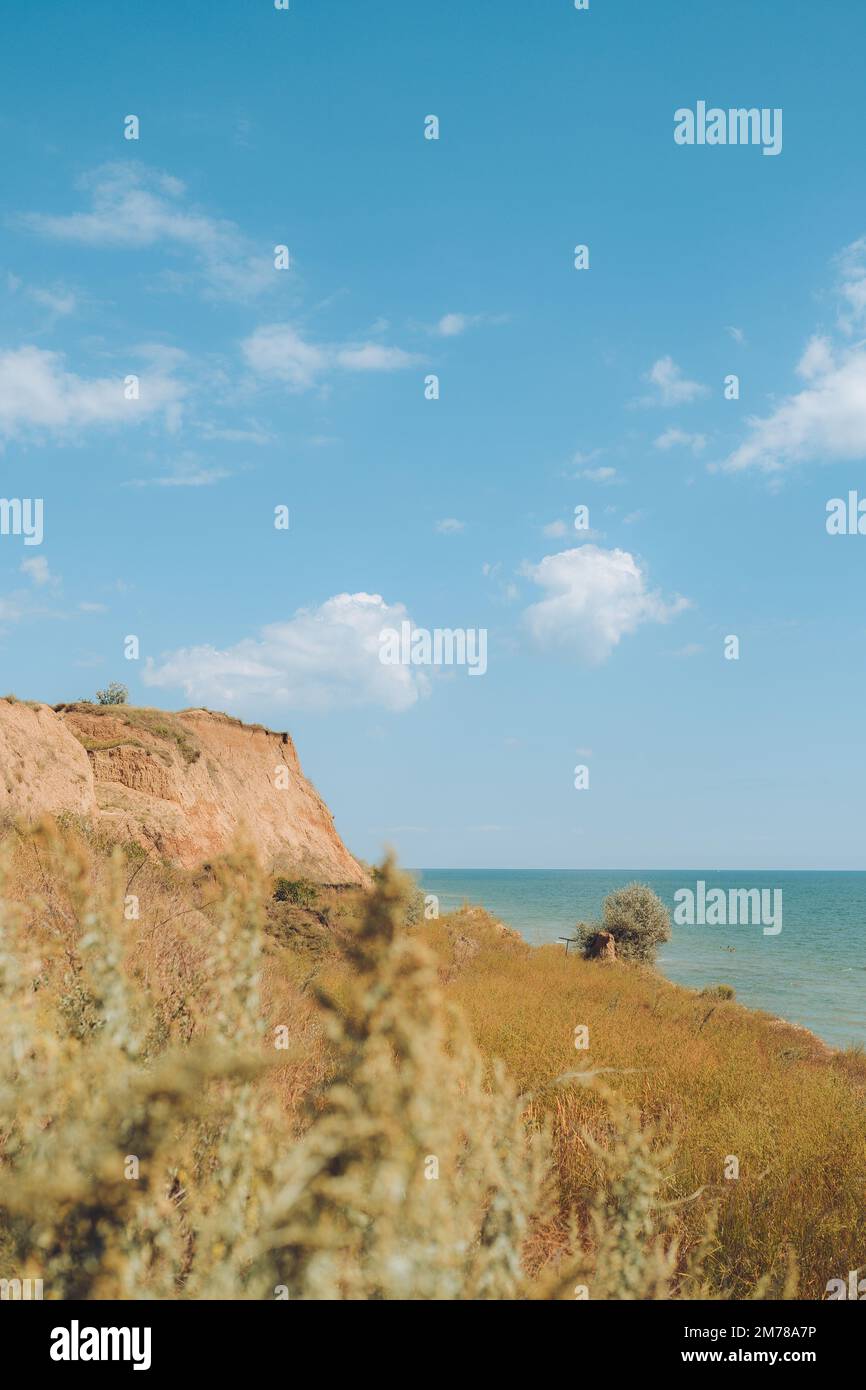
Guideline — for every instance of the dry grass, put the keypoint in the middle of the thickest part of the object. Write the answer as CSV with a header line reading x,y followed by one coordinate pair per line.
x,y
156,722
301,1168
713,1077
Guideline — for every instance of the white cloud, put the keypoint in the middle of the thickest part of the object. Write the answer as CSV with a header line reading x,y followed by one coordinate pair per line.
x,y
851,263
452,325
278,350
133,206
36,569
736,333
60,302
321,658
450,526
372,357
186,471
598,475
690,649
555,528
817,359
825,420
671,387
256,434
37,392
594,598
674,438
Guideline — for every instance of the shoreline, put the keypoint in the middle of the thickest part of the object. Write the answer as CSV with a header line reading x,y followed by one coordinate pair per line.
x,y
805,977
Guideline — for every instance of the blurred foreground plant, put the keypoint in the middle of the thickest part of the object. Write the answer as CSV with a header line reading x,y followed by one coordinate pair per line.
x,y
133,1166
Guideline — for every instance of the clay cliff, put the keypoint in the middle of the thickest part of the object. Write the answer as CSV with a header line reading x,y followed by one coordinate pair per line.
x,y
183,785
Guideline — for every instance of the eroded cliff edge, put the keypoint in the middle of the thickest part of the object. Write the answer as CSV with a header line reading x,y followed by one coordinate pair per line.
x,y
183,785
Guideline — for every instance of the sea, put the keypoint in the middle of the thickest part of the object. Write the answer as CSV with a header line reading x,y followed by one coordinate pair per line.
x,y
812,972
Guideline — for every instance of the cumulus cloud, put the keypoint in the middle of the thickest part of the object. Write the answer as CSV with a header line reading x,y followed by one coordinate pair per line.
x,y
593,598
321,658
670,386
38,392
279,351
674,438
133,206
824,420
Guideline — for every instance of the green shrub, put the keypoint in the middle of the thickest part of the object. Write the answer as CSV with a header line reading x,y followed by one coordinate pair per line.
x,y
113,694
295,890
718,992
583,934
638,921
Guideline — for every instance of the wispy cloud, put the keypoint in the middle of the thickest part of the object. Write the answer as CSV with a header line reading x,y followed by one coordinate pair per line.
x,y
187,471
450,526
671,387
37,570
59,301
278,351
454,325
676,438
690,649
604,474
851,267
255,434
132,206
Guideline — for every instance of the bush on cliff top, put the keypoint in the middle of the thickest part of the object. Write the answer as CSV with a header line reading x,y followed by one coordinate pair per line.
x,y
636,918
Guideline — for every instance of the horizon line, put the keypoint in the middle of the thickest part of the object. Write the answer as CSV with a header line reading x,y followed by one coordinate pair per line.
x,y
666,869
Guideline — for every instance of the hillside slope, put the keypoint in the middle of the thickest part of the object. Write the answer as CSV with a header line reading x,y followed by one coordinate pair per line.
x,y
183,785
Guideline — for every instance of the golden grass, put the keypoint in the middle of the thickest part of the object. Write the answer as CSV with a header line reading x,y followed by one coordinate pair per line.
x,y
304,1169
716,1078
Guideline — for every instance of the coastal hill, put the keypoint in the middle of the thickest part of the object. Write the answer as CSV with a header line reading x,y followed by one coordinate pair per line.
x,y
641,1140
183,785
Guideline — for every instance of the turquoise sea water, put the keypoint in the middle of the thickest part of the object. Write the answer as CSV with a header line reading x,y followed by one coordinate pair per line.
x,y
813,972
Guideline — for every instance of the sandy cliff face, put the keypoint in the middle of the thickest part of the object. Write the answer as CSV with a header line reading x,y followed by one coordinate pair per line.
x,y
183,785
43,769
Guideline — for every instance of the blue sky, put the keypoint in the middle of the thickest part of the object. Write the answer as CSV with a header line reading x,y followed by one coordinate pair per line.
x,y
410,257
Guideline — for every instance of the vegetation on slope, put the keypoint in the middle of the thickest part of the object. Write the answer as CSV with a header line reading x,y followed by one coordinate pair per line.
x,y
210,1092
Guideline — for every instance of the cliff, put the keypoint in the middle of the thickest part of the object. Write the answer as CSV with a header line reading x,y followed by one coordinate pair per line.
x,y
183,785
